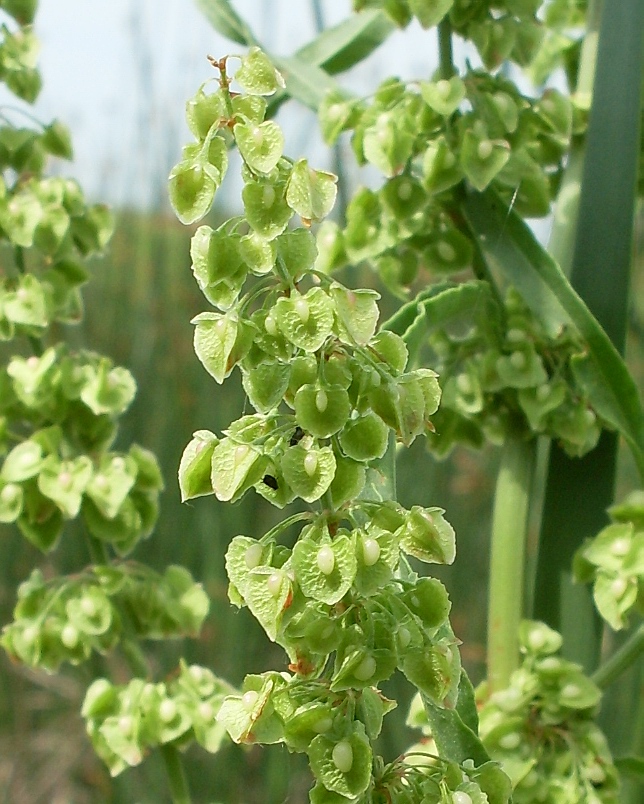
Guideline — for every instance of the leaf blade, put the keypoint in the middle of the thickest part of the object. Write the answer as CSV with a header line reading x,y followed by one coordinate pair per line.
x,y
342,46
224,19
510,249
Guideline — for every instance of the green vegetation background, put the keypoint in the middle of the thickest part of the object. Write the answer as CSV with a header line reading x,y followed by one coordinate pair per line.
x,y
138,310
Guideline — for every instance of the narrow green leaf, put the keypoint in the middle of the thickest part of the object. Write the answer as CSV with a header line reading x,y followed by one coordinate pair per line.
x,y
341,47
305,82
454,739
510,249
630,766
221,15
439,305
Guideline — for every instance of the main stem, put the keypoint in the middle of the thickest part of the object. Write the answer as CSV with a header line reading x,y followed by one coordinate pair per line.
x,y
179,792
507,560
445,54
621,660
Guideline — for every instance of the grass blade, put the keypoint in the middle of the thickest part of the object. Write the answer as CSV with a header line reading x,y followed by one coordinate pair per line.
x,y
339,48
510,249
223,18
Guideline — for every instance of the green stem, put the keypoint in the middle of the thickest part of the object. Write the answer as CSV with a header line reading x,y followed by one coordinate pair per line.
x,y
135,657
179,792
445,55
564,224
509,527
621,660
97,549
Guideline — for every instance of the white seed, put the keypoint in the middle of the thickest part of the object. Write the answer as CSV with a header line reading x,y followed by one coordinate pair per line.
x,y
220,325
404,637
118,463
268,196
9,492
461,797
365,670
206,712
370,552
515,335
126,724
65,479
510,741
325,560
335,111
148,693
30,635
258,136
595,773
32,362
253,556
274,583
548,105
404,190
464,384
589,417
69,636
321,400
443,88
537,639
501,101
342,756
196,672
270,325
88,607
167,710
241,452
322,725
302,309
619,586
484,149
446,251
530,780
570,691
249,699
101,481
518,360
327,632
550,662
23,295
310,463
543,392
620,546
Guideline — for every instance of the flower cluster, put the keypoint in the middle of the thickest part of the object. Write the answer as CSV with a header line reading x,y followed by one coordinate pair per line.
x,y
331,395
613,561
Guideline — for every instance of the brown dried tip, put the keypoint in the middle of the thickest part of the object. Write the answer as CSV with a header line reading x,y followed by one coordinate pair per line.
x,y
218,64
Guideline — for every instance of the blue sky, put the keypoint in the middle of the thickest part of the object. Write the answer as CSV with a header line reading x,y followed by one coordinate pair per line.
x,y
118,72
